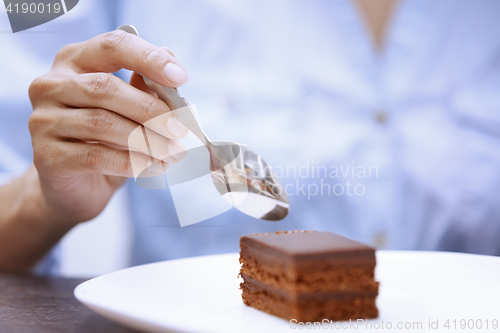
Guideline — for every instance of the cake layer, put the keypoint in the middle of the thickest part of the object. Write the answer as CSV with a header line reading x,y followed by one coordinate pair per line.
x,y
305,296
274,263
332,279
309,307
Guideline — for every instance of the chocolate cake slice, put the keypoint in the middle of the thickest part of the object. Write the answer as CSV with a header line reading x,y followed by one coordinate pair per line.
x,y
308,276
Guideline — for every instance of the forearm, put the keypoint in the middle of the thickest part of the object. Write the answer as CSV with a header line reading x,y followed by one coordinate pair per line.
x,y
27,228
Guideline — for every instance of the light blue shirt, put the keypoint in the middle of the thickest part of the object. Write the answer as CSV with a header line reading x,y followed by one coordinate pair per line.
x,y
414,131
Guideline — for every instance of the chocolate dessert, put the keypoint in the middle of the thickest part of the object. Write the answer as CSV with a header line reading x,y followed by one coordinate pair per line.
x,y
308,276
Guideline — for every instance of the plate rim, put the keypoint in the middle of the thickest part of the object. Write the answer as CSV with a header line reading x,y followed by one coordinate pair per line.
x,y
129,320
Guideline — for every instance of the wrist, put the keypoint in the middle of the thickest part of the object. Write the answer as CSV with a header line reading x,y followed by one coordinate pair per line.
x,y
28,227
36,207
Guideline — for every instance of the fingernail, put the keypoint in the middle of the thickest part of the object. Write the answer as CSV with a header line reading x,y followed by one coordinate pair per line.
x,y
175,128
175,74
176,151
156,168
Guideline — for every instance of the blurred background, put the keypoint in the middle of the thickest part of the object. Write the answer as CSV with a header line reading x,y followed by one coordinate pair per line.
x,y
382,119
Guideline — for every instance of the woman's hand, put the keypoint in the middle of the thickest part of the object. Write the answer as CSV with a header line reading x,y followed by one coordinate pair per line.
x,y
83,117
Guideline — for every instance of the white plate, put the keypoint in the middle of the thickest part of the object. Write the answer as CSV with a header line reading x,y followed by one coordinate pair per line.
x,y
202,294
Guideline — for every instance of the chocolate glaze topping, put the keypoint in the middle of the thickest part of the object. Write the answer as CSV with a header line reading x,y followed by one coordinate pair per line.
x,y
308,245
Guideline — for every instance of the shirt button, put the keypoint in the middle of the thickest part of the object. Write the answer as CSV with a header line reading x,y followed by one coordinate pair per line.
x,y
380,117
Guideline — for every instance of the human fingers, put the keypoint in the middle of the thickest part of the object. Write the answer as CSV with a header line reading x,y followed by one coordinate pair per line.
x,y
117,49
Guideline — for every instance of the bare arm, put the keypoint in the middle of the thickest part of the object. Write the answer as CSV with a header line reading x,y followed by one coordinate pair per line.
x,y
28,228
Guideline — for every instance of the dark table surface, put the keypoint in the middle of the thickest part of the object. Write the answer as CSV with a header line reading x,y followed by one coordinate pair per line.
x,y
39,304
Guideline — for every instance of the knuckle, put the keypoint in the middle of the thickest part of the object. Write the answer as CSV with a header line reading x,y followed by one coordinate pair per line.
x,y
38,87
149,109
93,158
112,40
101,86
46,151
123,164
47,155
65,52
152,54
101,121
35,122
42,123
